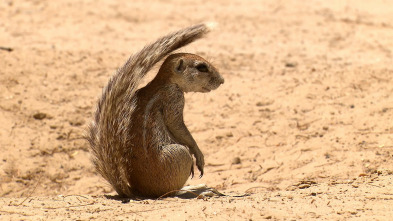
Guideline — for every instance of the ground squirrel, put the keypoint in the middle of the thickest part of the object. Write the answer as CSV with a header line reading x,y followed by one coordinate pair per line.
x,y
138,138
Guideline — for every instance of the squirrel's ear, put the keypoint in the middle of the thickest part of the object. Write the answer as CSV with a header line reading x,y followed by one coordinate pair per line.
x,y
180,66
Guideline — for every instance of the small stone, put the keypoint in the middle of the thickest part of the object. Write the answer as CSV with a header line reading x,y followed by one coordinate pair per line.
x,y
290,64
39,116
76,121
236,160
304,186
264,103
219,137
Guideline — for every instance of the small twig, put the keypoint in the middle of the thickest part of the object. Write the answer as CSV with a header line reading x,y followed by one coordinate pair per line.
x,y
31,193
215,165
63,207
76,195
6,49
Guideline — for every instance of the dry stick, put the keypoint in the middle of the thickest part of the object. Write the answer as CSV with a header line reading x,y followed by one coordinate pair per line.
x,y
64,207
75,195
35,187
6,49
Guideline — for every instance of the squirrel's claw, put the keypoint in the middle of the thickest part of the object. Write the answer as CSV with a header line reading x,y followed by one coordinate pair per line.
x,y
200,162
192,171
201,169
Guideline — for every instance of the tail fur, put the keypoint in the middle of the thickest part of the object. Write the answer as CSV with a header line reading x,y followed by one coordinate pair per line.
x,y
109,133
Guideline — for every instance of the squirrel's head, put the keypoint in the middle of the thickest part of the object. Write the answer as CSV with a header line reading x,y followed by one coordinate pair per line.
x,y
192,73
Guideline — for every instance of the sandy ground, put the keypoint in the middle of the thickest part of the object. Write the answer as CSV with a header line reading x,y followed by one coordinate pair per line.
x,y
303,123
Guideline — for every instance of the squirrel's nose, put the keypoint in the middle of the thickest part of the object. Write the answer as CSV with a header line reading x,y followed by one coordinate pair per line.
x,y
217,80
221,80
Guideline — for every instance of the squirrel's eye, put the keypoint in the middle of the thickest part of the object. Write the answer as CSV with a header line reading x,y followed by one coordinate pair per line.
x,y
202,67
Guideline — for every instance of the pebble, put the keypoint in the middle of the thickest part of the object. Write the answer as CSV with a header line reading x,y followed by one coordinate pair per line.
x,y
39,116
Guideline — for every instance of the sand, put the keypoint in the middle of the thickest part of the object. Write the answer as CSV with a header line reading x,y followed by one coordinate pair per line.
x,y
302,126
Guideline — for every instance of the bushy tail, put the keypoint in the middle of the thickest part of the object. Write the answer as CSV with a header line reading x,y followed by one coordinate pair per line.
x,y
109,132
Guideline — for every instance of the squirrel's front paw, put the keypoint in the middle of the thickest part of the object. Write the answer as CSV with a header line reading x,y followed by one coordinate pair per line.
x,y
200,162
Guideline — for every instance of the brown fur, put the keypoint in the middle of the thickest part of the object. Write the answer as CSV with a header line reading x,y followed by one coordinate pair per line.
x,y
139,141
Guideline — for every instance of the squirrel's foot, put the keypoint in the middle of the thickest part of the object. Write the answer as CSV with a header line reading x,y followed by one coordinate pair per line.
x,y
198,191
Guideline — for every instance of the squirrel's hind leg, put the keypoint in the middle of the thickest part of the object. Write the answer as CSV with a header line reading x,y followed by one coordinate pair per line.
x,y
179,163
